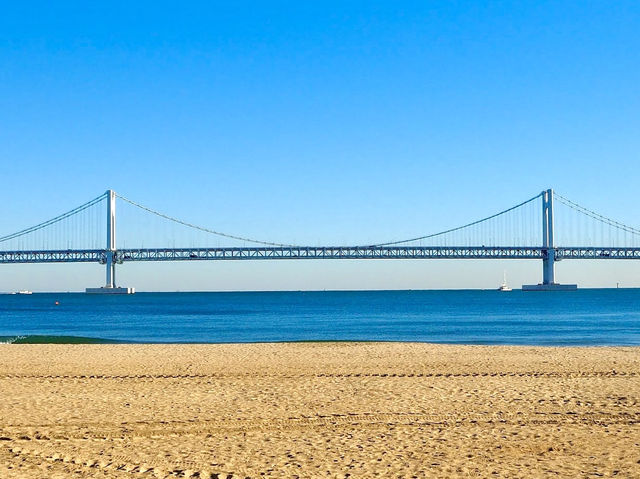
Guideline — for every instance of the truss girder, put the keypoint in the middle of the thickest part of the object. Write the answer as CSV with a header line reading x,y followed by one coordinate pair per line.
x,y
334,252
597,253
316,252
53,256
327,252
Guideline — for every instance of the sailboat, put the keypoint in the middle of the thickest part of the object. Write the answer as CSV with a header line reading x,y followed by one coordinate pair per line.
x,y
503,286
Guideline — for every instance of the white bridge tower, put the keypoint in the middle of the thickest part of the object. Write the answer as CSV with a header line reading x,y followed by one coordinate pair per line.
x,y
548,250
111,252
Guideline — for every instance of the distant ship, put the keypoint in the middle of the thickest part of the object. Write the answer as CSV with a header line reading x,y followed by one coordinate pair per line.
x,y
503,286
23,291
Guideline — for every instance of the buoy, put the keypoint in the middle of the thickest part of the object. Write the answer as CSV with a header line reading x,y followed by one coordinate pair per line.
x,y
57,303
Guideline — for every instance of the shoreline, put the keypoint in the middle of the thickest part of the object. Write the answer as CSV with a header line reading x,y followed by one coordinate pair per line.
x,y
70,340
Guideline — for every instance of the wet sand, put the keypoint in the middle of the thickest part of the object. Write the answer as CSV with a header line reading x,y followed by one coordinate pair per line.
x,y
318,410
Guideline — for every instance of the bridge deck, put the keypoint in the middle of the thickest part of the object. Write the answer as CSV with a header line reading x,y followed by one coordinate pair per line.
x,y
316,252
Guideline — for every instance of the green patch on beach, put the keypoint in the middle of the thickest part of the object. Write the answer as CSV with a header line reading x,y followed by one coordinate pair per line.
x,y
47,339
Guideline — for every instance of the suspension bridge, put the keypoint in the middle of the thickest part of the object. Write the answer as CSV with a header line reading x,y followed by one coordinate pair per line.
x,y
527,230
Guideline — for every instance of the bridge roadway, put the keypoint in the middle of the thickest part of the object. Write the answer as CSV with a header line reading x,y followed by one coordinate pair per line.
x,y
316,252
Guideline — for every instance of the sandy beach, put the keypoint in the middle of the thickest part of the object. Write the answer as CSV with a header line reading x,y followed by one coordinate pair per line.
x,y
318,410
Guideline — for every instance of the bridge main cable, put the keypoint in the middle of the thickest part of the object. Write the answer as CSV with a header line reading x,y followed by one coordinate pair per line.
x,y
596,216
57,219
285,245
201,228
433,235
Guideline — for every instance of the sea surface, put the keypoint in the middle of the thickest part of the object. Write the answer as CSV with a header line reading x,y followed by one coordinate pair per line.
x,y
583,317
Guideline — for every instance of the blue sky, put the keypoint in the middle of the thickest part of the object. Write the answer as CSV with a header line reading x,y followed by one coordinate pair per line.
x,y
319,122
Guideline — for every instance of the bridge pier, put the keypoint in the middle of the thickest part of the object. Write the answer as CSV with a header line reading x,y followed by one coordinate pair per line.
x,y
110,287
111,271
549,252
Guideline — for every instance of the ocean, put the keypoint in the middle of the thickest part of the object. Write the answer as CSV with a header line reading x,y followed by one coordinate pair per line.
x,y
586,317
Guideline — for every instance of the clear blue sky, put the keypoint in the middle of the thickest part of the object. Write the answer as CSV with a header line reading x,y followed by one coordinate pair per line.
x,y
320,122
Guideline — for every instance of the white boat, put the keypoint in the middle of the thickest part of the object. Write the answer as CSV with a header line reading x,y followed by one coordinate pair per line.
x,y
503,286
24,291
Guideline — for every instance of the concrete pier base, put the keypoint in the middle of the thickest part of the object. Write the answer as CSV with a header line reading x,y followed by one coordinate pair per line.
x,y
549,287
112,290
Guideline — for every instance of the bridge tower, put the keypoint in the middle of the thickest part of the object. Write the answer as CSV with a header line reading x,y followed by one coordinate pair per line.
x,y
111,252
548,270
548,251
111,239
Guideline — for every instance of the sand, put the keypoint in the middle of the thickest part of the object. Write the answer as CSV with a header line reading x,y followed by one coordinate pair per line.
x,y
318,410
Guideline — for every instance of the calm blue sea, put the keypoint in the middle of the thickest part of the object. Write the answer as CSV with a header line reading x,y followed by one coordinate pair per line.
x,y
583,317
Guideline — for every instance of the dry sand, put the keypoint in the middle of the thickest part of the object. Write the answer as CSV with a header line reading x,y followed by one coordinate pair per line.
x,y
318,410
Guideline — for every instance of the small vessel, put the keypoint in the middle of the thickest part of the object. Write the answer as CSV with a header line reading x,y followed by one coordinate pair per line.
x,y
503,286
24,291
